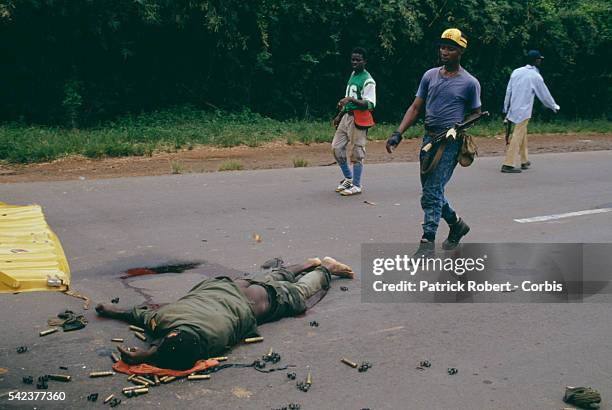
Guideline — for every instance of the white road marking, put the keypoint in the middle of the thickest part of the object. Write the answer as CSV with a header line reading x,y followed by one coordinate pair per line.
x,y
561,216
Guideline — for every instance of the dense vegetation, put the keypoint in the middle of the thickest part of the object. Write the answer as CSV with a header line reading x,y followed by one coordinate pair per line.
x,y
76,63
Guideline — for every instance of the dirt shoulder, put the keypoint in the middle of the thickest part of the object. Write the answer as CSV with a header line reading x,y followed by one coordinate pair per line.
x,y
273,155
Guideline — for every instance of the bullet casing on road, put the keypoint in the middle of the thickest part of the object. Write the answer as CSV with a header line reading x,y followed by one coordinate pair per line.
x,y
145,380
140,336
130,377
59,377
219,359
167,379
136,392
254,339
48,332
101,374
117,339
141,380
198,377
137,329
109,398
349,363
114,357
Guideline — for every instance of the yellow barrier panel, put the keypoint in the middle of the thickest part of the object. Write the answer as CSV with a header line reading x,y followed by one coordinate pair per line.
x,y
31,255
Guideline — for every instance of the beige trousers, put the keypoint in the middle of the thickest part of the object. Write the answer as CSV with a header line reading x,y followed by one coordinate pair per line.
x,y
518,143
347,132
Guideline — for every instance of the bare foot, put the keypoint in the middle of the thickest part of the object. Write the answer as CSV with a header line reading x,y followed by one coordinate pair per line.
x,y
313,262
336,268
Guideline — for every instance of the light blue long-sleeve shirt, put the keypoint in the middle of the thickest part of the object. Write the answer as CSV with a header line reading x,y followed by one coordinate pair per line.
x,y
525,82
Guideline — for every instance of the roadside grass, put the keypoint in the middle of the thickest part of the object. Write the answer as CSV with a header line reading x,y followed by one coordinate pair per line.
x,y
231,166
184,128
300,163
176,167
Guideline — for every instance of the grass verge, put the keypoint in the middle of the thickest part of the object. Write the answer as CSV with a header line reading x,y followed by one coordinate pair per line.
x,y
183,128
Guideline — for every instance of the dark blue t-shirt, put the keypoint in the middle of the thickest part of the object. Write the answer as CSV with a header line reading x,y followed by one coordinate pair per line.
x,y
448,99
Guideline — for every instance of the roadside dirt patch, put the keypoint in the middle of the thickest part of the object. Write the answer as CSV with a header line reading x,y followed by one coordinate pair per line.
x,y
273,155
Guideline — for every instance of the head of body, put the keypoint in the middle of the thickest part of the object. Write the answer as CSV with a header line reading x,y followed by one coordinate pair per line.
x,y
358,59
534,58
452,44
178,350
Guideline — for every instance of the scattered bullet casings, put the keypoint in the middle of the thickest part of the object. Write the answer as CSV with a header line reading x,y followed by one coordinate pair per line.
x,y
348,362
142,380
48,332
130,377
140,336
309,379
109,398
101,374
198,377
136,392
59,377
117,339
114,357
137,329
219,359
156,380
131,388
146,379
167,379
254,339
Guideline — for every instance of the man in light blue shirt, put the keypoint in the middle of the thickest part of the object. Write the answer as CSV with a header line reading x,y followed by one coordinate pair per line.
x,y
525,82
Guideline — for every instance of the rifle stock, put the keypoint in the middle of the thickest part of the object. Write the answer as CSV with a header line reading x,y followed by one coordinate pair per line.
x,y
455,130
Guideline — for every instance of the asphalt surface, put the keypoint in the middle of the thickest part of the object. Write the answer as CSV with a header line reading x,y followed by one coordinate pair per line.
x,y
509,356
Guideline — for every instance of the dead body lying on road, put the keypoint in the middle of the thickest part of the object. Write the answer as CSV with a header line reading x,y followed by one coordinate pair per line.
x,y
218,313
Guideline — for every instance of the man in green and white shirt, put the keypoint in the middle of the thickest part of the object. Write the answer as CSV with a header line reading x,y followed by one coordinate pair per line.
x,y
360,98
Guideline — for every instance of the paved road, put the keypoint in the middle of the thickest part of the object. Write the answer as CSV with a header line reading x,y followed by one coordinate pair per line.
x,y
509,355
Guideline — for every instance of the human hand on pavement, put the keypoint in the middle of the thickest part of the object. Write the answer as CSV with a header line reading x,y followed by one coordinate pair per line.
x,y
135,355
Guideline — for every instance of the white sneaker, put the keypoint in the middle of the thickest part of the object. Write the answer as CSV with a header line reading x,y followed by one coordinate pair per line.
x,y
344,184
353,190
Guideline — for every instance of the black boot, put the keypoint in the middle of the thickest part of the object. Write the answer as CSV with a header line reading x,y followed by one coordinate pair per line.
x,y
427,249
507,169
457,231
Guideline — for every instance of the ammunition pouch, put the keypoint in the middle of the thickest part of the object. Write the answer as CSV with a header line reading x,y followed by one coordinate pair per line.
x,y
467,151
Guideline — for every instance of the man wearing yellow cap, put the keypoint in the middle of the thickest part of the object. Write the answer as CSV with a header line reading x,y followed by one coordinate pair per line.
x,y
448,93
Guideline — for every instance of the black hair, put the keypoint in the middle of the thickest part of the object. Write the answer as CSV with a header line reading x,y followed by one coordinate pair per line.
x,y
362,51
178,350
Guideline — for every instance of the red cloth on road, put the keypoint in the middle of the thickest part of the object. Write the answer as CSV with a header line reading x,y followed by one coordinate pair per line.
x,y
144,368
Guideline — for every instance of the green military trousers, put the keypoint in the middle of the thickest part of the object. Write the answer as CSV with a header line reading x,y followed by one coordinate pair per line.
x,y
289,292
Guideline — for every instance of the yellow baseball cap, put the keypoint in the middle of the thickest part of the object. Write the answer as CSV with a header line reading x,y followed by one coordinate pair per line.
x,y
453,36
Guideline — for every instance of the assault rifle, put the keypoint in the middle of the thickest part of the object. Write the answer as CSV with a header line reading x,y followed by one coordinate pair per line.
x,y
452,132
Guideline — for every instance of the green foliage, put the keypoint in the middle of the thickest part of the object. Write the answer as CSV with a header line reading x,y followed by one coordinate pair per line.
x,y
231,166
87,61
72,102
183,128
300,163
176,167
